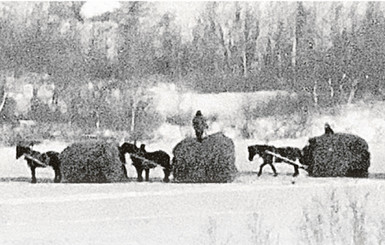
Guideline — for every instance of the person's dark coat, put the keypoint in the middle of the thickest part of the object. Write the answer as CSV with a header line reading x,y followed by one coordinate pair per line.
x,y
200,125
328,129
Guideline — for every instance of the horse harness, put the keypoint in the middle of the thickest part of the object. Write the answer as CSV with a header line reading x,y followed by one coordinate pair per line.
x,y
29,157
147,163
287,160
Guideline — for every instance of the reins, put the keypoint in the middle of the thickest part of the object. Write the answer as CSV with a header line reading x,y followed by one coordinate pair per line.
x,y
287,160
35,160
151,164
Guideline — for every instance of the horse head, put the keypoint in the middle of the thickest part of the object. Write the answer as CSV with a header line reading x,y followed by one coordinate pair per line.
x,y
21,150
129,148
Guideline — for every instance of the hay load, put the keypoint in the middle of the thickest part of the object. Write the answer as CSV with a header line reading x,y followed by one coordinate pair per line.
x,y
211,161
333,155
91,162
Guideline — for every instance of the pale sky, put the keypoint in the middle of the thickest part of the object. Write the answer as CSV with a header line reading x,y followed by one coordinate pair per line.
x,y
183,9
95,7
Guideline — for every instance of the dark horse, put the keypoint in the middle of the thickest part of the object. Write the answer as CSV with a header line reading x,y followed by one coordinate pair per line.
x,y
143,160
49,158
291,153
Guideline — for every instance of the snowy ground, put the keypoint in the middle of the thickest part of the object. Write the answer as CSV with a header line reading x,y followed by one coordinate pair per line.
x,y
252,210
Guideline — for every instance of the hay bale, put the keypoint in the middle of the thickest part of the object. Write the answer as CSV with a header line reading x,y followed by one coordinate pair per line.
x,y
337,155
212,160
91,162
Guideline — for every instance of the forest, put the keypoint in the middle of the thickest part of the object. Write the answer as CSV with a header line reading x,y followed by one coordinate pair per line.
x,y
329,53
284,69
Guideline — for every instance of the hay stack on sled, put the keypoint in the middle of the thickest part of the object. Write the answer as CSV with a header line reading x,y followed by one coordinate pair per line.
x,y
337,155
91,162
211,161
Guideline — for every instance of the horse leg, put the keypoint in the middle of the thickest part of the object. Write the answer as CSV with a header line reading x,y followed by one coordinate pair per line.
x,y
147,170
296,172
57,178
139,171
166,175
33,174
125,171
270,160
273,168
260,168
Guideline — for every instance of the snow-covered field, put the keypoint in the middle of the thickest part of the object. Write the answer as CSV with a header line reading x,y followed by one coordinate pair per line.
x,y
252,210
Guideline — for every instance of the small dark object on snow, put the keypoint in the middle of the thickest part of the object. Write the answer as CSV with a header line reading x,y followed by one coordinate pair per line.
x,y
337,155
91,162
292,153
36,159
143,160
211,161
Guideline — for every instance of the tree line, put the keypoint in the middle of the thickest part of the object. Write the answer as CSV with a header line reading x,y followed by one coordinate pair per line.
x,y
330,53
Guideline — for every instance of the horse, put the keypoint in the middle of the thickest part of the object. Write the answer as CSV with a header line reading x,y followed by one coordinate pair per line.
x,y
36,159
143,160
127,148
292,153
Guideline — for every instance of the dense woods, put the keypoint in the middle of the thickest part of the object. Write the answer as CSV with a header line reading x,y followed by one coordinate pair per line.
x,y
330,53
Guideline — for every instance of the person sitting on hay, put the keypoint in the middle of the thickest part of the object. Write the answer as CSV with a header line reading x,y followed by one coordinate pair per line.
x,y
328,129
200,125
142,149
